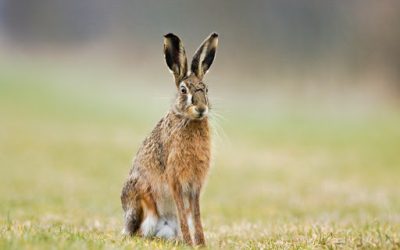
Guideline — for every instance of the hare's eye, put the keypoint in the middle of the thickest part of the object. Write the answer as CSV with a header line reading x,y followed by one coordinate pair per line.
x,y
183,90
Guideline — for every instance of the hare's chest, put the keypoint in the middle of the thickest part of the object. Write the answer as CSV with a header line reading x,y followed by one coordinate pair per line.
x,y
190,162
188,156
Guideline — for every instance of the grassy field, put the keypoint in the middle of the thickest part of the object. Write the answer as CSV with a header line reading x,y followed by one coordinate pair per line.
x,y
284,176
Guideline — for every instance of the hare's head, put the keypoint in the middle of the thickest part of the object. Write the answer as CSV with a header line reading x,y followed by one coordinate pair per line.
x,y
192,97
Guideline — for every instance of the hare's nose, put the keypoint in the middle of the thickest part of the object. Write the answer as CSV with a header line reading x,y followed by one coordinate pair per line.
x,y
201,110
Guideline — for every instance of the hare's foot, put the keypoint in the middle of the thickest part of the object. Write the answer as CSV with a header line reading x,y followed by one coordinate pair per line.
x,y
167,228
148,226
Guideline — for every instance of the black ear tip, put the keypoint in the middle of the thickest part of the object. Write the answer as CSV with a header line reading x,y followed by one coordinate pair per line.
x,y
170,35
214,35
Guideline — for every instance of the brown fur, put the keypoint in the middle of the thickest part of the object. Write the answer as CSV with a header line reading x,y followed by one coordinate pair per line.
x,y
172,163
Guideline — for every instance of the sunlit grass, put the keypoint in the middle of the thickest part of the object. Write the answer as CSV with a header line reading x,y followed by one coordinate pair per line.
x,y
283,178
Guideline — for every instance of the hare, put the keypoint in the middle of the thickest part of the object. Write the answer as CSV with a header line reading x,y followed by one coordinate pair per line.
x,y
161,195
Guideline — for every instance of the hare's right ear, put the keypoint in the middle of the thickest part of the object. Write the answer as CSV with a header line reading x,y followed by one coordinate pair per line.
x,y
204,56
175,56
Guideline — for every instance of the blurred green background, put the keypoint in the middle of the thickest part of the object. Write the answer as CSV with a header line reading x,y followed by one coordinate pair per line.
x,y
306,120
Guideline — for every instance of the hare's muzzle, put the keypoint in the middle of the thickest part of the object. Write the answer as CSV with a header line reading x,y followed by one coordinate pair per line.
x,y
201,111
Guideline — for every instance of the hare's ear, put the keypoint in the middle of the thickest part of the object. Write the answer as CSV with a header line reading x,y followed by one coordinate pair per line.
x,y
175,56
204,56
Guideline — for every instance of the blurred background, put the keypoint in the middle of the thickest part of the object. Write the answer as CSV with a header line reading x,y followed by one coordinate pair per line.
x,y
305,110
303,45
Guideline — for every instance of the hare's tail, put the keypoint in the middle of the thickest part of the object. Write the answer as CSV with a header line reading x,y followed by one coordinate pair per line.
x,y
133,211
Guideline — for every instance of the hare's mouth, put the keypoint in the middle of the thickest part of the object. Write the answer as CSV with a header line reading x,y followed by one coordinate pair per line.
x,y
197,117
200,117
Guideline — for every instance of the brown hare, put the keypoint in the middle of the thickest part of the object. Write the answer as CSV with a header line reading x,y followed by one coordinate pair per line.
x,y
161,195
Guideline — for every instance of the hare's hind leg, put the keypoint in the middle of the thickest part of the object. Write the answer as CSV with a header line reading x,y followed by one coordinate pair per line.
x,y
150,218
133,211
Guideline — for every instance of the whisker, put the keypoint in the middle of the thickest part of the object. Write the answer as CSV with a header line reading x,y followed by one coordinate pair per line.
x,y
217,115
218,131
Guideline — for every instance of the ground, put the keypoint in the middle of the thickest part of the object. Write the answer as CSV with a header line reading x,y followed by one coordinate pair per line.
x,y
282,177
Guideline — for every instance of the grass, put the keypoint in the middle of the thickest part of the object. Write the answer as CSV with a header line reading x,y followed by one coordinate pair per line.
x,y
293,177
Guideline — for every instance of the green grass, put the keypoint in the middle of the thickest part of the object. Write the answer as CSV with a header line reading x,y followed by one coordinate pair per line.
x,y
289,177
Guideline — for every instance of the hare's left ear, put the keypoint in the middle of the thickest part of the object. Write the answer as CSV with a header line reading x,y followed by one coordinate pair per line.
x,y
175,56
204,56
